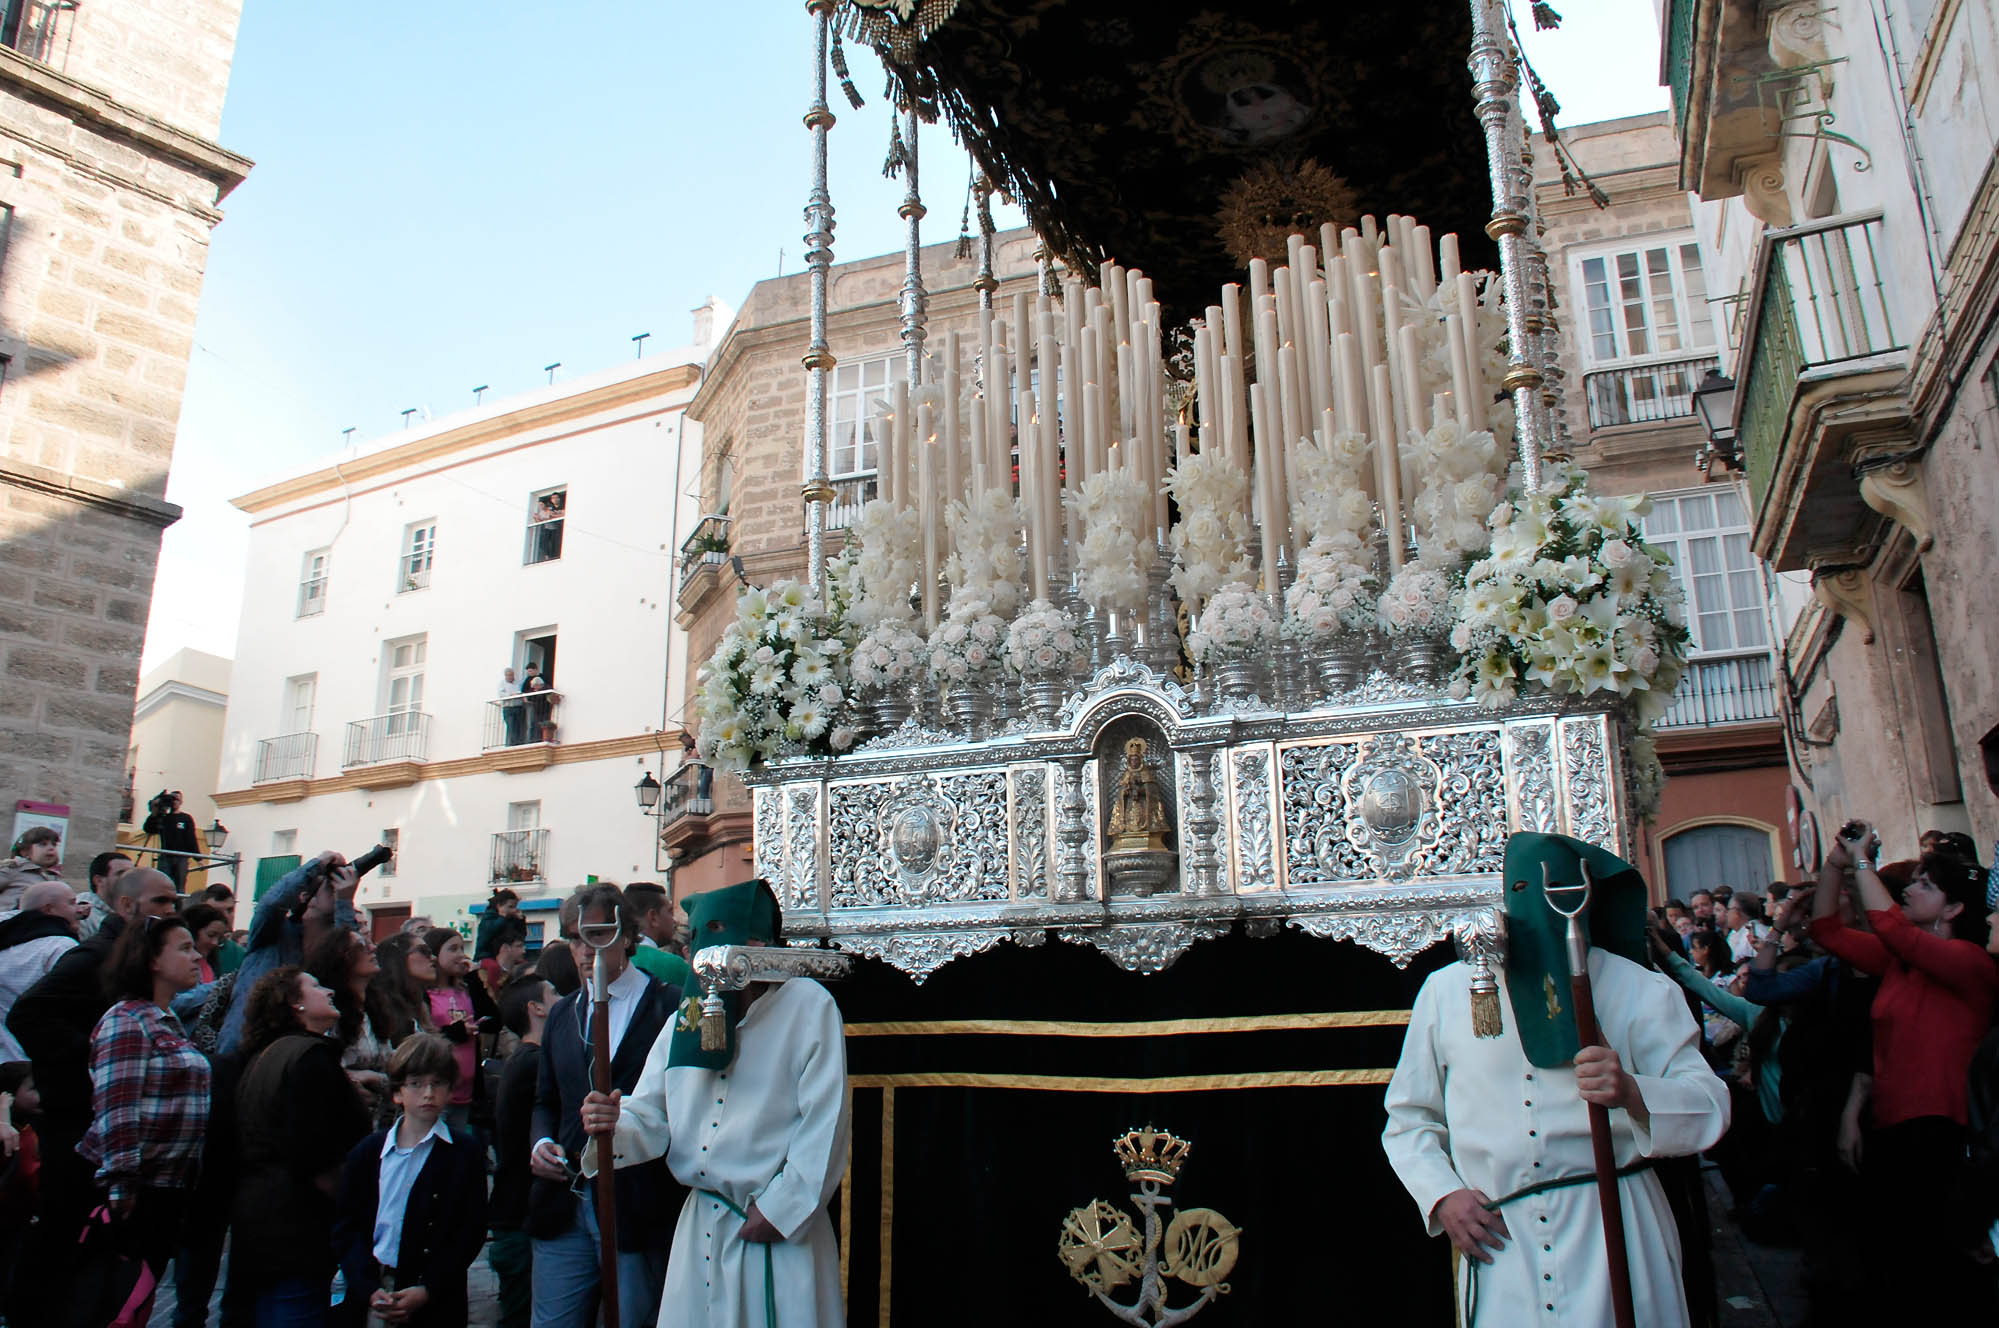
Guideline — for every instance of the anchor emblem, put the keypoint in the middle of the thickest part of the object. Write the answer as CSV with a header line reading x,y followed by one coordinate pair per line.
x,y
1103,1251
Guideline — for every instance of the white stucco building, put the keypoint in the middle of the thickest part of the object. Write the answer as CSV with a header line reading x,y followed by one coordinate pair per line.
x,y
387,592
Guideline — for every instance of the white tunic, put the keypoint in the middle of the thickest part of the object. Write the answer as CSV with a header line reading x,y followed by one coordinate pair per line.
x,y
1470,1112
771,1129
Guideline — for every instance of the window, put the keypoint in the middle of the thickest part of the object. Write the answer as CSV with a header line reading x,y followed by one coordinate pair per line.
x,y
393,838
1707,532
403,690
1646,302
38,29
524,815
1711,855
312,583
419,544
856,388
545,515
301,693
284,843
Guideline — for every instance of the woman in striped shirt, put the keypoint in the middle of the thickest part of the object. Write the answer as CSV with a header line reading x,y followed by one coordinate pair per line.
x,y
149,1087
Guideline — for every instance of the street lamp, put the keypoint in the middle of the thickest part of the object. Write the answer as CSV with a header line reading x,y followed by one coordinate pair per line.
x,y
648,790
217,834
1714,404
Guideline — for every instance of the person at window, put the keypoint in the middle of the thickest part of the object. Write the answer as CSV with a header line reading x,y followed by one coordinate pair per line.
x,y
548,526
297,1118
1938,984
149,1089
541,708
512,718
37,857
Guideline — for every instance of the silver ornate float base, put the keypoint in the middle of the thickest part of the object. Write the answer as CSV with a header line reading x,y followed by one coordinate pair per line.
x,y
1380,818
1142,872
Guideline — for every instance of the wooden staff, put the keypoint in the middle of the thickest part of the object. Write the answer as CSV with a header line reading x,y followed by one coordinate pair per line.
x,y
1609,1198
600,937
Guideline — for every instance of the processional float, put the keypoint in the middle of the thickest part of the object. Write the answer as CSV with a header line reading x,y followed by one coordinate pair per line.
x,y
1192,630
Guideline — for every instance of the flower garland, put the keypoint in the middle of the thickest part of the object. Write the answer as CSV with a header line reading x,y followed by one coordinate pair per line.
x,y
1236,624
1457,482
776,679
985,563
968,648
1113,510
1210,542
1417,601
1573,598
1043,643
886,567
891,654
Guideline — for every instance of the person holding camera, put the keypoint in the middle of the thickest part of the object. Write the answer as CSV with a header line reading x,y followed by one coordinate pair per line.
x,y
293,916
174,829
1938,985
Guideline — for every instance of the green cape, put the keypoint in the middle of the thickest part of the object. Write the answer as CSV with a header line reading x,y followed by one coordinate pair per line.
x,y
742,914
1537,961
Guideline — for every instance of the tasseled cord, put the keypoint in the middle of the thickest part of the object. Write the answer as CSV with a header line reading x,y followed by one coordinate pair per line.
x,y
1485,1019
1545,16
714,1023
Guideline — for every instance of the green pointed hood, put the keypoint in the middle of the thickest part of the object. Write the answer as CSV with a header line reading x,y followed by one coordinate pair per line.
x,y
742,914
1537,963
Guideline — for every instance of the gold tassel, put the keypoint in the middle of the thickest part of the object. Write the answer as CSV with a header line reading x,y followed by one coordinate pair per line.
x,y
1485,1020
714,1024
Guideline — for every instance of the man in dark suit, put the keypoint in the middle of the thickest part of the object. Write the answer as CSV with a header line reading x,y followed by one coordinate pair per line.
x,y
563,1216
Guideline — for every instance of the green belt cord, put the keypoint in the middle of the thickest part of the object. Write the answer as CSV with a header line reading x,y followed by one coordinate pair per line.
x,y
1468,1301
770,1283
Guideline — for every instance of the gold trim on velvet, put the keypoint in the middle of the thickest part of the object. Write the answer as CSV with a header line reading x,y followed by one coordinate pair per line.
x,y
1261,1023
888,1196
847,1204
1179,1083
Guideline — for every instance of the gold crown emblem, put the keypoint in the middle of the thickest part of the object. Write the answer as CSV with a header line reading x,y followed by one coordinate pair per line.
x,y
1150,1154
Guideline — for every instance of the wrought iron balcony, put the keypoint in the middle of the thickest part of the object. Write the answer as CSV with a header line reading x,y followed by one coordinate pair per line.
x,y
689,791
514,721
850,494
292,756
519,855
403,736
1737,690
707,547
1644,393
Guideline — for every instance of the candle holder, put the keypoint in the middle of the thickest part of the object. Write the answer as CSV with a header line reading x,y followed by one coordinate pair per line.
x,y
971,710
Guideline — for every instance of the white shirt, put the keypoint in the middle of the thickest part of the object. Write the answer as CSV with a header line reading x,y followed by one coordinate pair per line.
x,y
400,1168
771,1129
626,988
21,967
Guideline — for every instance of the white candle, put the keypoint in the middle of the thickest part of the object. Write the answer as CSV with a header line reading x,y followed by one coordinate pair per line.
x,y
1048,464
894,488
1454,337
1352,385
1448,257
1259,412
1388,476
953,480
980,468
1204,384
1475,394
926,485
1424,273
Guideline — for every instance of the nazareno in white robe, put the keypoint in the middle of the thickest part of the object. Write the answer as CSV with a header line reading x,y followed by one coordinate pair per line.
x,y
770,1129
1470,1112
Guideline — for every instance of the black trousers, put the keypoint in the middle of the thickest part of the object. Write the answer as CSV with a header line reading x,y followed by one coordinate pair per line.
x,y
1916,1173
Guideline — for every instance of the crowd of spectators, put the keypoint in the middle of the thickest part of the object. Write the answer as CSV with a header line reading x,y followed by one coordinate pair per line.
x,y
1853,1018
326,1109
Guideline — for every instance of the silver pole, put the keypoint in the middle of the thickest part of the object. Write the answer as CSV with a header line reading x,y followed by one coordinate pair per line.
x,y
912,211
1494,82
819,360
987,283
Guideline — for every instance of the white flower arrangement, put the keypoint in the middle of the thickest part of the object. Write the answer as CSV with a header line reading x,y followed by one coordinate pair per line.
x,y
1235,624
775,682
1329,489
1211,540
885,569
1334,594
1043,643
1416,601
1572,598
891,654
968,649
1488,330
985,563
1457,482
1115,514
1648,774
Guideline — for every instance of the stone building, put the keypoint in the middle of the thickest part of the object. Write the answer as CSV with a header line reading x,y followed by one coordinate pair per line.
x,y
110,184
1639,334
1846,164
751,407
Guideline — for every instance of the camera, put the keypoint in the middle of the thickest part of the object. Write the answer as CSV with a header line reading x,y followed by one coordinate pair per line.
x,y
1853,830
316,875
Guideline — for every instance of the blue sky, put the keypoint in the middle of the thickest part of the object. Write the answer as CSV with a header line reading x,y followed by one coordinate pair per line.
x,y
452,194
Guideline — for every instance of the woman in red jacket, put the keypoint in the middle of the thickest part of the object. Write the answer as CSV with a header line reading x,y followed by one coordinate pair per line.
x,y
1938,986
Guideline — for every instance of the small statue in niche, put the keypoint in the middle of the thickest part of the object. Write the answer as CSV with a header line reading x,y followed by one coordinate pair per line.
x,y
1138,818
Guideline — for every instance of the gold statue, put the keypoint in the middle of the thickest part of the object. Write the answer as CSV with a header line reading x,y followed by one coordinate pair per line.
x,y
1138,818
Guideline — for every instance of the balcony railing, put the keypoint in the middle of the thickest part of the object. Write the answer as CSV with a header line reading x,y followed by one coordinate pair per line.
x,y
544,541
403,736
1739,690
36,28
1821,302
1645,393
513,721
850,494
689,791
708,546
292,756
519,855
